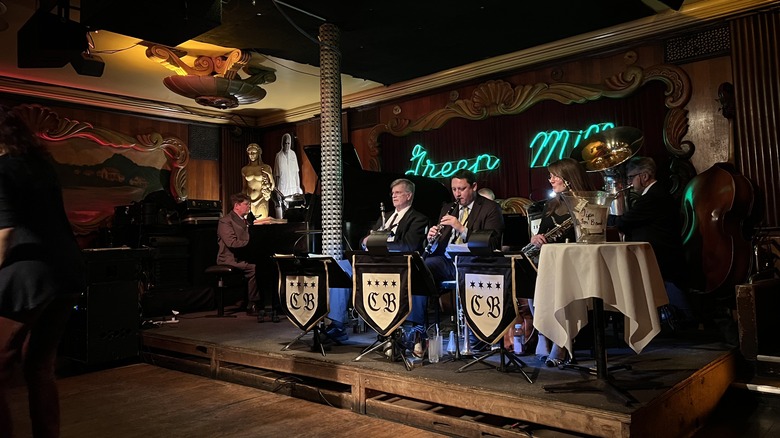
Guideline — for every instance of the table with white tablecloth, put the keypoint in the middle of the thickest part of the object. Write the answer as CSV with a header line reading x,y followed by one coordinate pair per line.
x,y
624,275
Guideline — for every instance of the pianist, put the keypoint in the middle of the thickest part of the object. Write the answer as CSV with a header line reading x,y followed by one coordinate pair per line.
x,y
407,231
232,238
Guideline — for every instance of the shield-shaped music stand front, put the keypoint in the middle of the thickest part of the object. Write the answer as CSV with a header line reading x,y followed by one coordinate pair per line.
x,y
303,289
486,291
381,285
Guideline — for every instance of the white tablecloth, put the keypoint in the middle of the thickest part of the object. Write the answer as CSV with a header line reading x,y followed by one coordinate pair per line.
x,y
625,275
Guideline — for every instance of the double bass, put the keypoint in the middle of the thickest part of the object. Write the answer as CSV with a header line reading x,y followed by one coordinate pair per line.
x,y
719,216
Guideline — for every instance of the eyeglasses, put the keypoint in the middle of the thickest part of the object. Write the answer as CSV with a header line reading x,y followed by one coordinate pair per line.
x,y
630,177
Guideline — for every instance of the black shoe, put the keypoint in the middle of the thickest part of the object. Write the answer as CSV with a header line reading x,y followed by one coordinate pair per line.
x,y
336,334
253,310
275,316
414,339
261,316
554,363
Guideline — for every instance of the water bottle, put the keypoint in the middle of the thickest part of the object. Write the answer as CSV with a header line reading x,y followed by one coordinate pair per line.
x,y
519,339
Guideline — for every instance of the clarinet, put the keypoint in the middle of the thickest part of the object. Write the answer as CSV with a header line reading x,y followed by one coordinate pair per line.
x,y
430,248
532,251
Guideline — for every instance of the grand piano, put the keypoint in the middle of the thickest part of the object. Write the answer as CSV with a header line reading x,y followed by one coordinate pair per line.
x,y
364,190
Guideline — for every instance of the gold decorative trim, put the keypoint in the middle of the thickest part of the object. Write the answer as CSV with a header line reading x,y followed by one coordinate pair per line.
x,y
48,125
499,98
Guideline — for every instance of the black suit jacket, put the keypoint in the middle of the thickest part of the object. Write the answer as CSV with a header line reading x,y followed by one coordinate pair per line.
x,y
655,218
409,233
485,215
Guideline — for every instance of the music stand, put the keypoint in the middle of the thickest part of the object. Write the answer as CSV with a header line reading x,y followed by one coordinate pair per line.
x,y
478,244
304,284
484,284
382,296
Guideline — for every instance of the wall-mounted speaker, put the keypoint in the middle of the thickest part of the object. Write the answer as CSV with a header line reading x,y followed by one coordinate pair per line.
x,y
49,41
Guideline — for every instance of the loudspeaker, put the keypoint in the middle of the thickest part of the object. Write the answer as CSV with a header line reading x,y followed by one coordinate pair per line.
x,y
103,326
88,65
169,22
49,41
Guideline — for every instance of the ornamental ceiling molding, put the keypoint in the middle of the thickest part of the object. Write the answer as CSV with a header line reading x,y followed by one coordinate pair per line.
x,y
214,81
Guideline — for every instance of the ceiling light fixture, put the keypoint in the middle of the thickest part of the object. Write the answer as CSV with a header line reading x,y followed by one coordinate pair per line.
x,y
214,81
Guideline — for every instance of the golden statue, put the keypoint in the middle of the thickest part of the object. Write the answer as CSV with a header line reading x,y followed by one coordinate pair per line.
x,y
258,181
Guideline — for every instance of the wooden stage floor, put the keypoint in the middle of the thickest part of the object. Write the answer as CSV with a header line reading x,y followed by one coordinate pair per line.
x,y
691,372
143,400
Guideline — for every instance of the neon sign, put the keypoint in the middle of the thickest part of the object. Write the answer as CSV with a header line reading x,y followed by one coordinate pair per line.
x,y
554,145
422,166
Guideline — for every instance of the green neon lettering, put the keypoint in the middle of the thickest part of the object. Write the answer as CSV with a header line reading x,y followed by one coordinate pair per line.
x,y
480,163
546,144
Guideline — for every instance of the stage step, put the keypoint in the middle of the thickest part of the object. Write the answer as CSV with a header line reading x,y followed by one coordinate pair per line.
x,y
453,421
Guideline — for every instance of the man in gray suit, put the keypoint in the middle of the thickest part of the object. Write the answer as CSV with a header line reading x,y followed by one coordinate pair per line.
x,y
232,237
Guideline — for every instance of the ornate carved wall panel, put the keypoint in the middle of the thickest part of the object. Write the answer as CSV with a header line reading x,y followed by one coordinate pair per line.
x,y
100,168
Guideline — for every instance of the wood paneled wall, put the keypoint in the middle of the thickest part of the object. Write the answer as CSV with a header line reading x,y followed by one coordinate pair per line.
x,y
757,94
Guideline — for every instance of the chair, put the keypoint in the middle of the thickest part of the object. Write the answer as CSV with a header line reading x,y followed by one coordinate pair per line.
x,y
222,275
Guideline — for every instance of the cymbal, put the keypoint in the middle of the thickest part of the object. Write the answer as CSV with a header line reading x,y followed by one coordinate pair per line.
x,y
609,148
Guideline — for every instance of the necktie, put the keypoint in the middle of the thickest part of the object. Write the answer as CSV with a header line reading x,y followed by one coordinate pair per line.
x,y
390,222
464,218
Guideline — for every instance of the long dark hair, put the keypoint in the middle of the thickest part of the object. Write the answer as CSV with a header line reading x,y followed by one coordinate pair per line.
x,y
16,138
575,178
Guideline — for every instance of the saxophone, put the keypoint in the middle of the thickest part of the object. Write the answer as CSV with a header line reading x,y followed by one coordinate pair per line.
x,y
531,251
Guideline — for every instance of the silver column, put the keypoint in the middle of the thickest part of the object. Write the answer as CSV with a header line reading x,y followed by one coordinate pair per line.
x,y
330,132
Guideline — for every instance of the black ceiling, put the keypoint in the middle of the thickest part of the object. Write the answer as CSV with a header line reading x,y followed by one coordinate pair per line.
x,y
389,41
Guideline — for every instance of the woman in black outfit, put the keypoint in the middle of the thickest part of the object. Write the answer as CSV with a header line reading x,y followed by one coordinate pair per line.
x,y
565,174
41,273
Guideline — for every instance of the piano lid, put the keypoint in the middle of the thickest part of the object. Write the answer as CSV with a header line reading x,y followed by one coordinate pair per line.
x,y
365,189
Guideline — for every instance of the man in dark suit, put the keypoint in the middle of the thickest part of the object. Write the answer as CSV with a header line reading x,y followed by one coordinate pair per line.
x,y
406,225
655,218
407,233
232,237
470,213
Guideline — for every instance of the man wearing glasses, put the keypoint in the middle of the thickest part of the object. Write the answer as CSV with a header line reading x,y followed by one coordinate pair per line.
x,y
654,217
407,233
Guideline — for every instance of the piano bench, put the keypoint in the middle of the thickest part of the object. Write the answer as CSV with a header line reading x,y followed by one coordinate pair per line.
x,y
221,274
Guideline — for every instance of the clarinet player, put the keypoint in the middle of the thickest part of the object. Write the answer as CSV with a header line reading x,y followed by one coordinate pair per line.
x,y
471,213
565,174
